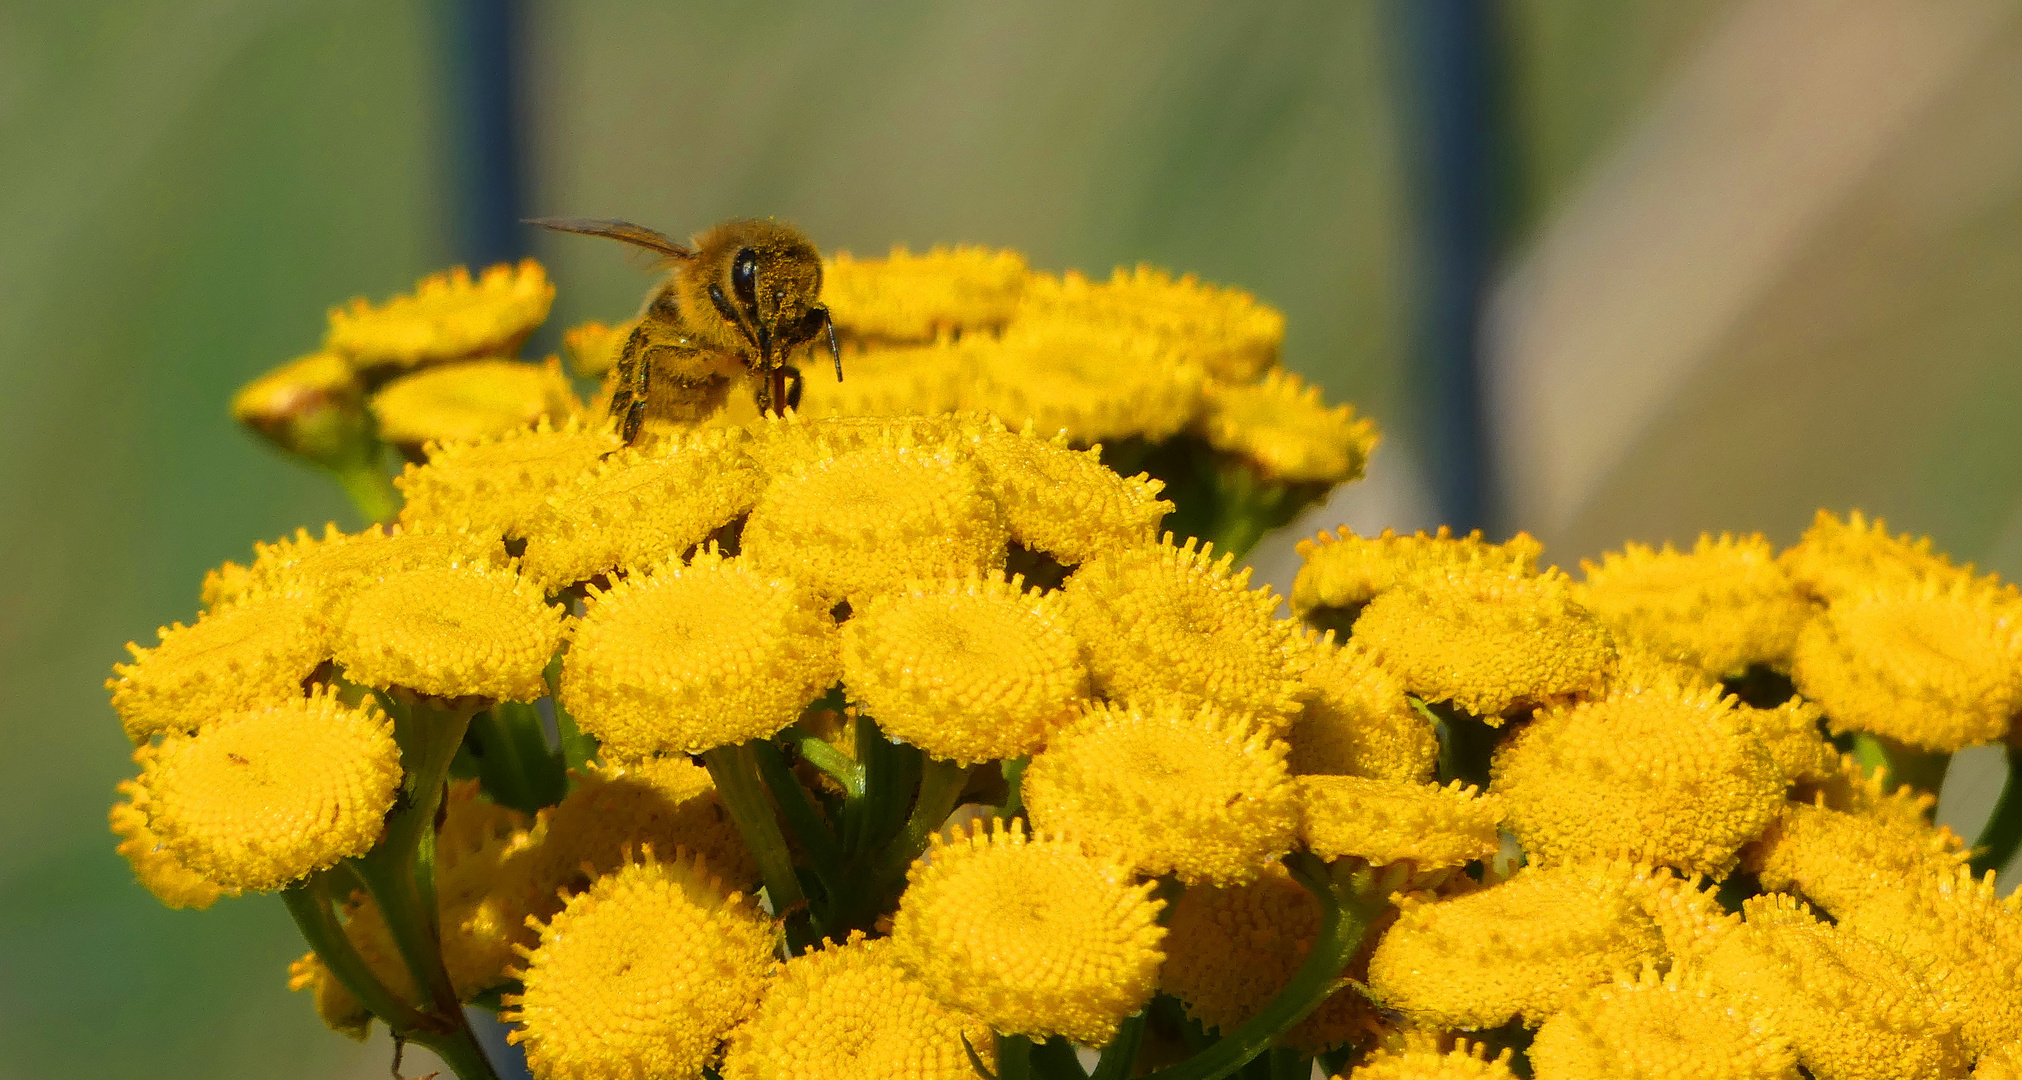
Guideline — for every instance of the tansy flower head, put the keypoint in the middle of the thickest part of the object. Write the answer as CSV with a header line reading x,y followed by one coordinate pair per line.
x,y
662,803
260,798
1358,722
1658,1028
907,297
1168,624
966,669
172,883
1790,733
1393,821
1488,641
2002,1063
254,651
1343,570
491,485
450,631
1061,501
1230,950
1703,786
1031,934
1527,947
1225,331
1836,558
447,317
1934,666
312,407
642,975
1850,862
849,1012
1189,792
1420,1056
333,565
1723,606
593,348
1093,383
890,380
1280,424
1963,939
471,401
692,657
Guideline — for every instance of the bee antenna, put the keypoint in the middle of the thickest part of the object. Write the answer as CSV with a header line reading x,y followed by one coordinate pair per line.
x,y
833,351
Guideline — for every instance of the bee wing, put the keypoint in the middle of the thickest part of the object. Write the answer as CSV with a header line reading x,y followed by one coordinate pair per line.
x,y
637,235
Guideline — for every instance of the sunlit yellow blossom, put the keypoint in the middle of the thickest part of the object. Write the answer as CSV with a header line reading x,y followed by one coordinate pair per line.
x,y
1392,821
888,380
333,564
312,407
849,1012
1065,502
2004,1063
865,520
227,582
254,651
338,1008
1668,777
1527,947
664,803
966,669
1846,862
1358,722
1721,607
642,975
1226,331
1280,424
1852,1010
1792,736
1420,1057
472,400
259,798
492,485
1167,624
1687,911
1640,669
1487,640
593,347
1964,940
779,443
907,297
1853,788
1194,793
638,508
448,316
172,883
692,657
1230,950
450,631
1835,559
1094,383
1933,666
1656,1028
1343,570
1033,935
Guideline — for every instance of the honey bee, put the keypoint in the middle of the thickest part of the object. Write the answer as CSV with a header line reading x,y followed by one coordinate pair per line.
x,y
738,302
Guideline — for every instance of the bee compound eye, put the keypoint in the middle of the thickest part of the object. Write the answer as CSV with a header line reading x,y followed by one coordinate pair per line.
x,y
744,277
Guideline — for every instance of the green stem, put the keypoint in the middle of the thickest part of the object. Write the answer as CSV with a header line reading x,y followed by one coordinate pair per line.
x,y
1055,1059
370,488
1014,1057
803,817
735,770
1921,770
1014,781
458,1048
513,759
1121,1053
833,763
940,785
1345,915
2002,834
309,905
1289,1063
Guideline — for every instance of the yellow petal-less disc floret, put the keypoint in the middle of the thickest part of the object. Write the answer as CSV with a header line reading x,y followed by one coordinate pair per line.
x,y
1488,641
1343,570
1091,382
850,1012
1062,501
642,975
1173,625
1848,863
159,872
1280,424
662,803
334,564
1189,792
1225,331
2004,1063
1659,1028
1032,934
1722,606
491,485
1963,939
1792,735
1392,821
1422,1056
254,651
1527,947
1703,785
260,798
448,316
451,631
907,297
691,657
968,670
1837,558
471,400
1359,723
1934,666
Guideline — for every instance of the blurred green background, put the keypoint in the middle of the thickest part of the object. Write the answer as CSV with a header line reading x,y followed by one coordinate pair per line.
x,y
1737,280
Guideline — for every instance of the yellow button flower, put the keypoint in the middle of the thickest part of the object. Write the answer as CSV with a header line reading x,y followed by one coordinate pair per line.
x,y
448,316
254,651
492,485
471,400
1847,863
1937,667
450,631
1702,784
1527,947
1168,625
642,975
1280,424
1792,735
1721,607
849,1012
967,670
693,657
1095,383
593,347
907,297
172,883
260,798
1837,558
1225,331
1962,938
1393,821
1420,1056
1194,793
1488,641
1062,501
1345,571
1032,935
1358,722
1230,950
888,380
662,803
334,564
1656,1028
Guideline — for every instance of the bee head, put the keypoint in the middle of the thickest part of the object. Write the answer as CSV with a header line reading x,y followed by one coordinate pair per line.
x,y
763,279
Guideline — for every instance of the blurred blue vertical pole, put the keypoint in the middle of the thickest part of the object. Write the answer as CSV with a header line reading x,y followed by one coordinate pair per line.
x,y
484,178
1446,71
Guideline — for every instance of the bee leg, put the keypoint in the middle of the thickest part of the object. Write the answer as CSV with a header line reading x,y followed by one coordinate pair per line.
x,y
628,393
790,378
